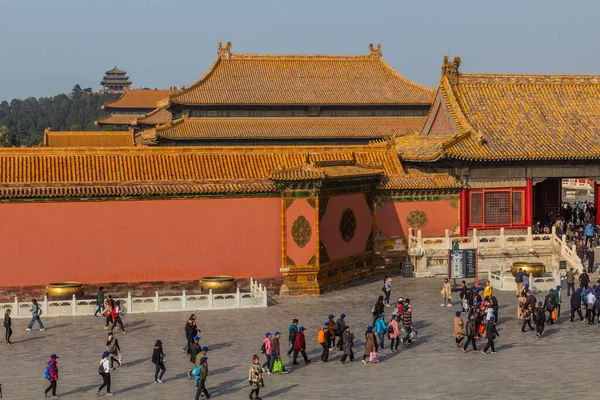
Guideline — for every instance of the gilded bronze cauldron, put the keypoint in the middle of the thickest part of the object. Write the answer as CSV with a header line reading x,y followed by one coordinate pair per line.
x,y
64,290
536,269
218,284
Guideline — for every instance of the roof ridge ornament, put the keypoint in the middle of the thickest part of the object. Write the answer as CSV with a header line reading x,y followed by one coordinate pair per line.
x,y
450,69
375,51
224,51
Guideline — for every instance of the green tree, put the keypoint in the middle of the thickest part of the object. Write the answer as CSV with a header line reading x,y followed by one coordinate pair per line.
x,y
5,137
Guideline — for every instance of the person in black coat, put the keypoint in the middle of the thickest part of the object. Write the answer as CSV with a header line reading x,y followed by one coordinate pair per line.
x,y
576,304
470,333
490,333
194,349
539,317
191,330
550,305
158,358
378,309
590,259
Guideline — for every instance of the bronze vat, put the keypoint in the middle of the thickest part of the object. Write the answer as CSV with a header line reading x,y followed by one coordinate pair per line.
x,y
218,284
64,290
537,269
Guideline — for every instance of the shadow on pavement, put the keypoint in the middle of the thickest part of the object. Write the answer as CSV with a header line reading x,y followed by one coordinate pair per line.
x,y
138,328
81,389
135,362
219,346
31,338
177,377
134,387
280,391
221,370
228,387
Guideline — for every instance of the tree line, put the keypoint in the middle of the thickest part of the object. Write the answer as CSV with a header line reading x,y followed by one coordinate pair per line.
x,y
22,122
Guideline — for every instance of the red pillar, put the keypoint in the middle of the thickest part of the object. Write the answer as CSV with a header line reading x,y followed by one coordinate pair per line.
x,y
529,202
464,212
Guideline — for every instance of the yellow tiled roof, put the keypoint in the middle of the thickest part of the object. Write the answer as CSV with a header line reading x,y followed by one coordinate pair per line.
x,y
118,119
155,117
415,179
424,148
265,79
88,139
137,99
517,117
285,128
326,170
134,171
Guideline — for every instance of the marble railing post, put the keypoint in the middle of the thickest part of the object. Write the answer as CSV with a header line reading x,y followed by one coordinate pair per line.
x,y
265,295
74,305
16,307
211,300
45,308
129,302
156,301
184,301
529,237
475,239
502,239
447,242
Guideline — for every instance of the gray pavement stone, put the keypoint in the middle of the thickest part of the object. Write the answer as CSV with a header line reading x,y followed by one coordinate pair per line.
x,y
562,363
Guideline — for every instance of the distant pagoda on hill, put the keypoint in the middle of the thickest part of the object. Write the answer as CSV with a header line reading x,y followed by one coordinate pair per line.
x,y
115,81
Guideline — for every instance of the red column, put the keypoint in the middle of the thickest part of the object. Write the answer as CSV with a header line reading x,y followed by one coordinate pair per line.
x,y
529,202
464,212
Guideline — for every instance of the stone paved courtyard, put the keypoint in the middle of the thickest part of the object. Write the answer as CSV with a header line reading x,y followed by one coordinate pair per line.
x,y
563,363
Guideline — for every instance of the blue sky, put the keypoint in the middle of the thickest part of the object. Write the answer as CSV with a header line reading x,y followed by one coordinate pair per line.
x,y
48,46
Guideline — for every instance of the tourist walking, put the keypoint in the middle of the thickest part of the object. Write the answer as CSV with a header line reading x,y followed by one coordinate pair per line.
x,y
370,346
348,345
488,290
36,311
200,374
394,333
527,314
459,329
470,333
324,340
550,305
104,370
584,281
292,332
557,300
387,288
255,378
576,304
158,359
490,333
114,349
591,307
194,350
446,293
495,307
377,309
266,350
190,330
539,317
340,327
381,329
107,313
300,346
570,281
7,323
519,281
116,315
203,353
275,351
407,323
51,374
331,328
99,301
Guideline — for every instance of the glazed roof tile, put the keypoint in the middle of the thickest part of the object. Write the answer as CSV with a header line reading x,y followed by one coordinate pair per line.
x,y
144,99
133,171
517,117
265,79
285,128
88,139
118,119
115,70
158,116
334,169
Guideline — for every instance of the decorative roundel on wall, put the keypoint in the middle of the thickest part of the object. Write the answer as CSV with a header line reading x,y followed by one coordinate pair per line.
x,y
348,225
301,231
417,219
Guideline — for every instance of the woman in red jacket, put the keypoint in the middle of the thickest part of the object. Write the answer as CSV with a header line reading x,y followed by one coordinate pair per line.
x,y
300,346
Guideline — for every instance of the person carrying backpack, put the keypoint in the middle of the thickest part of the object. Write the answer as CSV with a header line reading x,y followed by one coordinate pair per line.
x,y
114,349
116,316
340,326
539,319
292,331
394,332
324,340
51,374
200,373
104,371
490,333
377,309
266,350
158,359
550,305
36,311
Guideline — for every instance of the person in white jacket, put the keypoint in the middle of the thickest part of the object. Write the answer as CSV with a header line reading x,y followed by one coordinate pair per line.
x,y
591,305
104,370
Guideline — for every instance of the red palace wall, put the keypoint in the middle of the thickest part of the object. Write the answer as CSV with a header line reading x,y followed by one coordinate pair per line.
x,y
300,255
133,241
331,237
441,215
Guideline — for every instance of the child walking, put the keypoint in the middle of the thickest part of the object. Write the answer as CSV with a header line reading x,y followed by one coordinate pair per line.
x,y
255,377
7,326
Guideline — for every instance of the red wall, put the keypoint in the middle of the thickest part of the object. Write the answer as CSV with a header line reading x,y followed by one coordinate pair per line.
x,y
300,255
391,218
131,241
330,226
